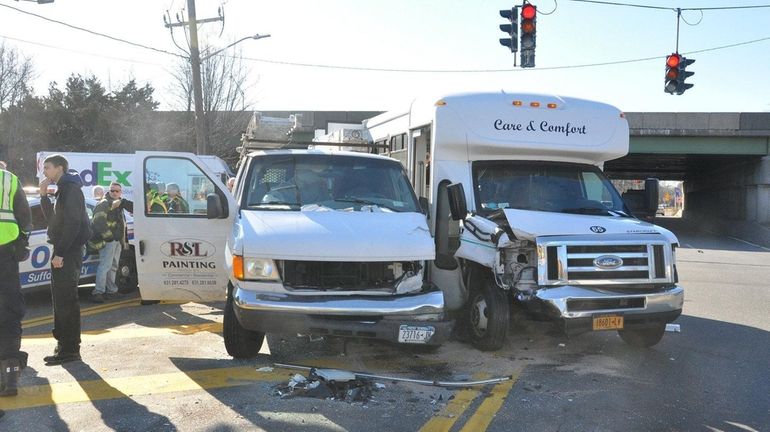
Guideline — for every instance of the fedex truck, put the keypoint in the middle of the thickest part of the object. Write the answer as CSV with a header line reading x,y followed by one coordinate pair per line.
x,y
103,168
520,211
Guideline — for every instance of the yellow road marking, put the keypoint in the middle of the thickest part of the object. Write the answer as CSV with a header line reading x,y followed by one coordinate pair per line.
x,y
83,312
115,388
130,333
34,322
483,416
445,419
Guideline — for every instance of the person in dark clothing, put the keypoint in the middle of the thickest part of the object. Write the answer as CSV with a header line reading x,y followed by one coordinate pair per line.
x,y
68,232
109,238
15,224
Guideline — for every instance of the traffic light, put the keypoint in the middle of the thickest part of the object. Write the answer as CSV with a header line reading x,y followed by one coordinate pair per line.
x,y
528,30
511,29
676,74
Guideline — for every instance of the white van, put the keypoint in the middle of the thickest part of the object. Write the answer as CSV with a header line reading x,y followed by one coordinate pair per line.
x,y
310,241
521,212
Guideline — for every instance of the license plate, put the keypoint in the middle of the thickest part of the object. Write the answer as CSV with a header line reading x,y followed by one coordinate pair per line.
x,y
608,322
415,334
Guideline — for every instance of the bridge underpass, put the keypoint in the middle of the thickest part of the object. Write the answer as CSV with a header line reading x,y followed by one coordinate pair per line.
x,y
723,159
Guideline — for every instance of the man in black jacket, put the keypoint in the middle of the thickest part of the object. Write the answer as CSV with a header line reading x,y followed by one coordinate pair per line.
x,y
68,232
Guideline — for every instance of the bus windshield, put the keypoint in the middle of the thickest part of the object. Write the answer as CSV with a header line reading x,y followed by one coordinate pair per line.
x,y
545,186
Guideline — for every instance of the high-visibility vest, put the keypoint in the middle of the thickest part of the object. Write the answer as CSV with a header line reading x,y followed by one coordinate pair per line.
x,y
9,226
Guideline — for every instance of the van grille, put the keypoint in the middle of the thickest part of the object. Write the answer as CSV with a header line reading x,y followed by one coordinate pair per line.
x,y
570,261
344,276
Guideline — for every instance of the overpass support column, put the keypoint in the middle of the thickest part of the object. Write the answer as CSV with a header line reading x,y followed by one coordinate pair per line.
x,y
758,205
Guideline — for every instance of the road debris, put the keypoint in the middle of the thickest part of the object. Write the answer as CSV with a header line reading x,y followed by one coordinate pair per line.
x,y
265,369
673,328
359,375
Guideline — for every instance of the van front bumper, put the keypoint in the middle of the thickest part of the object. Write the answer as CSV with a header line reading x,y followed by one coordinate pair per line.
x,y
576,306
376,317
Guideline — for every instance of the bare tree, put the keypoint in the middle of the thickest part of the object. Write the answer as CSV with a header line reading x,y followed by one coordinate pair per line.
x,y
225,79
15,75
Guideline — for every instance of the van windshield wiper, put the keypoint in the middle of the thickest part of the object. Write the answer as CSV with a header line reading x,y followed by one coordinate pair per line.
x,y
356,200
586,210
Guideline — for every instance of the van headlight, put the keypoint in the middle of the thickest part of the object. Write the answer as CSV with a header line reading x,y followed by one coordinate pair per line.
x,y
245,268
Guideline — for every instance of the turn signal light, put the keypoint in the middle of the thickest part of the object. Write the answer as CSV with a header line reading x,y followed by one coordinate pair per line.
x,y
238,267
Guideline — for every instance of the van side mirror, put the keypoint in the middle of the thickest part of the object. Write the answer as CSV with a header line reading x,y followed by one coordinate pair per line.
x,y
424,206
213,206
651,187
457,206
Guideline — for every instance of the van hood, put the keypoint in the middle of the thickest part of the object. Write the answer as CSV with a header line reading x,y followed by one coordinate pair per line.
x,y
336,236
529,224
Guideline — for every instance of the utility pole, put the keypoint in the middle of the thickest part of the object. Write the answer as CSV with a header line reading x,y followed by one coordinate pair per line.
x,y
201,134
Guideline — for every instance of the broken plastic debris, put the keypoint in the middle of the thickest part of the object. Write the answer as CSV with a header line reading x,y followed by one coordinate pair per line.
x,y
335,375
674,328
379,385
411,380
562,345
265,369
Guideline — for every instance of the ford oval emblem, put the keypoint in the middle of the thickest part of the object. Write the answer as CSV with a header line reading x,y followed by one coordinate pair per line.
x,y
598,229
608,262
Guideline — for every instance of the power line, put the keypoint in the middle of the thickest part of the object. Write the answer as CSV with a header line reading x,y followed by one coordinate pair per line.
x,y
79,52
117,39
609,63
669,8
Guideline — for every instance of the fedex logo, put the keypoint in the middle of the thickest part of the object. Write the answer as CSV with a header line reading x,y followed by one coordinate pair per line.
x,y
102,174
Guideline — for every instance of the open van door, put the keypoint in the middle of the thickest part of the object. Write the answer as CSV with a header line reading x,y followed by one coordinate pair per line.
x,y
183,215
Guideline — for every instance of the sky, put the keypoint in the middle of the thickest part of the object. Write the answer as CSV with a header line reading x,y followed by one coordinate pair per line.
x,y
436,35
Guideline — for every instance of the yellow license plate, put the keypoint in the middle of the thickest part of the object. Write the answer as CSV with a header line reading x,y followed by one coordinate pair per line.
x,y
608,322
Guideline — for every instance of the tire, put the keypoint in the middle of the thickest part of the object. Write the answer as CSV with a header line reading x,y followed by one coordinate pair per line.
x,y
488,316
127,279
240,343
643,338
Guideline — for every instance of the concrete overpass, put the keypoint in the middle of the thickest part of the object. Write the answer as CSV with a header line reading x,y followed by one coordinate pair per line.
x,y
724,159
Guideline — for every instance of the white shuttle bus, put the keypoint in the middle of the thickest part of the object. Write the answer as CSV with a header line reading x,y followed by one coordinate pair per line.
x,y
520,211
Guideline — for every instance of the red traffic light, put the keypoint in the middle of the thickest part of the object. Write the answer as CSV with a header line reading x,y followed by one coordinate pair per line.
x,y
528,11
673,60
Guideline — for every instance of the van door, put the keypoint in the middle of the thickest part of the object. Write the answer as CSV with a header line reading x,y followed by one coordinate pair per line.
x,y
180,252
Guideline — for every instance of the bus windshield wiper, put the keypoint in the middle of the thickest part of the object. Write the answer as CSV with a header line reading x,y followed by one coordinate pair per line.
x,y
586,210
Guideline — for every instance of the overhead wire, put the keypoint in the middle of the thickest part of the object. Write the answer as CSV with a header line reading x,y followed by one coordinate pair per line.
x,y
79,52
117,39
372,69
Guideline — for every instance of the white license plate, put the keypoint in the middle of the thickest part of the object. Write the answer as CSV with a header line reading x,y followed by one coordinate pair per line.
x,y
415,334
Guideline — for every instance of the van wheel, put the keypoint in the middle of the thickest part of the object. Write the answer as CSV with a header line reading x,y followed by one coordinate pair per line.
x,y
127,279
643,338
488,316
239,342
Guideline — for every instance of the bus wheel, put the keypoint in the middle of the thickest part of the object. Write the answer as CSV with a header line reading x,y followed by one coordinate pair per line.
x,y
488,316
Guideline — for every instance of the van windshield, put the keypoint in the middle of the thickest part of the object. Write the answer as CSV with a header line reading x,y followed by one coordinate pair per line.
x,y
328,182
545,186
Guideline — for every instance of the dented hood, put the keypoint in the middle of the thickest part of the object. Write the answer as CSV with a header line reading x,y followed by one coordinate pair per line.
x,y
336,236
528,224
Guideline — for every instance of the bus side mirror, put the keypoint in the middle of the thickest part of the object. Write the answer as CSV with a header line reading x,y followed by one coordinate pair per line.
x,y
651,187
213,206
457,206
424,206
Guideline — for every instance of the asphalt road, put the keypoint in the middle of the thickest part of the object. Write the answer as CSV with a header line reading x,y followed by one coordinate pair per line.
x,y
163,367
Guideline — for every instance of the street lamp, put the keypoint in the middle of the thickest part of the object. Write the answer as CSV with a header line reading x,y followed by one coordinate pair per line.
x,y
39,1
201,132
255,37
